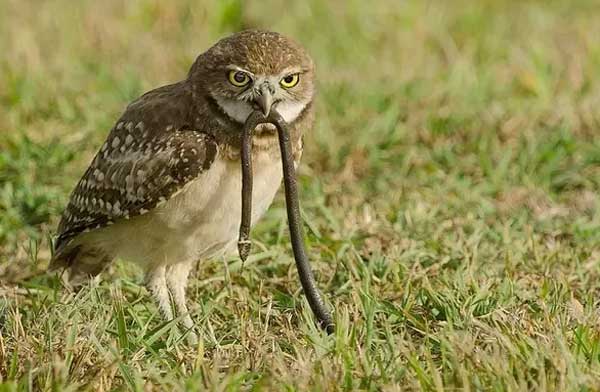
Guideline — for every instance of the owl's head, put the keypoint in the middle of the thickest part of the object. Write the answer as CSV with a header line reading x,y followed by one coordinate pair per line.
x,y
256,69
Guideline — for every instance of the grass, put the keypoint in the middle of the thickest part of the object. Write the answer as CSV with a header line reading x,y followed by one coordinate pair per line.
x,y
451,191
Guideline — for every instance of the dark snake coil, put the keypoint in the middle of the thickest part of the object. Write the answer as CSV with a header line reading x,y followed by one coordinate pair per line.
x,y
307,279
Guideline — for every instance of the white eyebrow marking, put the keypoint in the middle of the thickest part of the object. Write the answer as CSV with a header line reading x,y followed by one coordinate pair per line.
x,y
291,71
233,67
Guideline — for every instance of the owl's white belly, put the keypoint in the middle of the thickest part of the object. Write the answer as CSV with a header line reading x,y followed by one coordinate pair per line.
x,y
200,222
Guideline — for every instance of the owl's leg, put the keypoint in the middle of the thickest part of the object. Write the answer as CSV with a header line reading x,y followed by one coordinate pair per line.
x,y
177,277
157,284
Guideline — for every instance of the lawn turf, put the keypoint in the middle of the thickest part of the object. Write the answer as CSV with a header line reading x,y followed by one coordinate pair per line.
x,y
450,190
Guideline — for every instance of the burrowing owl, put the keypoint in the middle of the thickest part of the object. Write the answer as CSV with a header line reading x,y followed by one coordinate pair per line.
x,y
164,189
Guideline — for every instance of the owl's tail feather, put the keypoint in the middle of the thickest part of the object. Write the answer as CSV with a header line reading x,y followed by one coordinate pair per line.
x,y
76,265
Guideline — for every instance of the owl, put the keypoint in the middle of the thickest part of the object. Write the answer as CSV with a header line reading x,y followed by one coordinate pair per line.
x,y
163,191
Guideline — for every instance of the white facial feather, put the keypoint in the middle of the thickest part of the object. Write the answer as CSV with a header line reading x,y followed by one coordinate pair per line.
x,y
237,110
240,110
290,110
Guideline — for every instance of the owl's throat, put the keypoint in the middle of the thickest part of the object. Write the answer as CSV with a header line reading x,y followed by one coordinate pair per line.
x,y
265,136
265,130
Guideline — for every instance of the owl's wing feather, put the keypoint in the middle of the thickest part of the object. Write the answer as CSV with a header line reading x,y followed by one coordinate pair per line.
x,y
137,169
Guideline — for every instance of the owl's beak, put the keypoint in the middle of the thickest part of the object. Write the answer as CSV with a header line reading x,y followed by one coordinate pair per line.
x,y
265,98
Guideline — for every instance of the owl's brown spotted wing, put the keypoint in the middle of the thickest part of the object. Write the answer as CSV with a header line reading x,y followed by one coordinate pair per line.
x,y
136,170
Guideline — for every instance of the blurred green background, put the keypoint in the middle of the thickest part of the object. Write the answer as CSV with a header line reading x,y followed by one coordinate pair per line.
x,y
450,190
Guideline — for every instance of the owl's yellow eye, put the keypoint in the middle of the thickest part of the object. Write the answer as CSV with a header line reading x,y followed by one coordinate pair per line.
x,y
290,81
238,78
